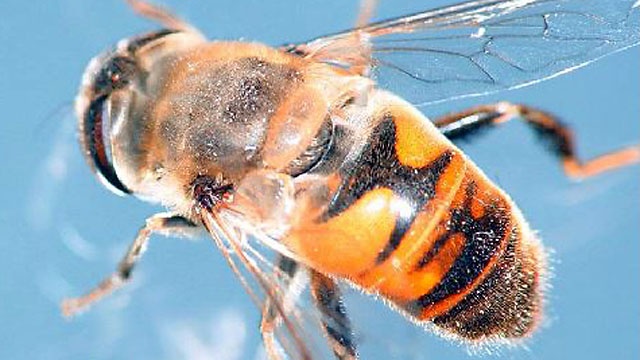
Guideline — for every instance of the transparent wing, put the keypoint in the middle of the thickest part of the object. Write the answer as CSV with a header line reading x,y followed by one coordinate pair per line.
x,y
278,294
484,46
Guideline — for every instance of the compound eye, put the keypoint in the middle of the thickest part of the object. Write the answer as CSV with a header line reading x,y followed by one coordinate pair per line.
x,y
107,74
108,79
95,132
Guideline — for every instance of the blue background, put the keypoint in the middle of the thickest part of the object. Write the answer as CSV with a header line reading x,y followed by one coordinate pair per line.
x,y
61,231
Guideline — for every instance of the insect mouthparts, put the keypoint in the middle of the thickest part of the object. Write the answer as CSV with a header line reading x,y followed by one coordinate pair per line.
x,y
209,192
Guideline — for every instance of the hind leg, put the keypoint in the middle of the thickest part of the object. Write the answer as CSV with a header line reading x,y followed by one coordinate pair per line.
x,y
559,137
160,15
335,322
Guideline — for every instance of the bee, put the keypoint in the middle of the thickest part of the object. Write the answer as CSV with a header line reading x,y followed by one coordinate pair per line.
x,y
297,147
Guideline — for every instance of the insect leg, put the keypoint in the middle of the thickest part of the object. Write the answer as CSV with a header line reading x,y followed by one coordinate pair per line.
x,y
336,324
367,9
164,223
159,14
270,315
558,136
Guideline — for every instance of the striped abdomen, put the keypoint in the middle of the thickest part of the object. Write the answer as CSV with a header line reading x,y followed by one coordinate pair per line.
x,y
416,222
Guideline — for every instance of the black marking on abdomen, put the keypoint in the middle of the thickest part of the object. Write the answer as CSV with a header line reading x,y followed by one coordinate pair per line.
x,y
483,237
403,223
378,166
505,304
434,250
97,145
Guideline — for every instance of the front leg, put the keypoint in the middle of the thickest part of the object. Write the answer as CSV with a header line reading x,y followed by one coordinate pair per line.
x,y
270,316
168,224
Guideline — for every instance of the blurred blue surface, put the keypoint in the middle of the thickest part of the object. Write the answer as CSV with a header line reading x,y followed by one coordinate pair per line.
x,y
61,231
